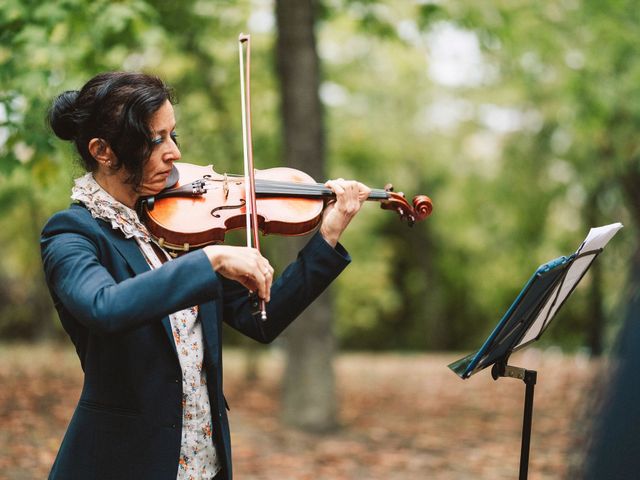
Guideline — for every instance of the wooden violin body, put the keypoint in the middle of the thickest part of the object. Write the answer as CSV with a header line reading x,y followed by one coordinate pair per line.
x,y
203,205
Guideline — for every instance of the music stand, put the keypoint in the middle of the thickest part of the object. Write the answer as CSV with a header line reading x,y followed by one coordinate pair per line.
x,y
528,317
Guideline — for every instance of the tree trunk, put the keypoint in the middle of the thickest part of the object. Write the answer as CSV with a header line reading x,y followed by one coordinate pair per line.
x,y
309,383
596,309
596,312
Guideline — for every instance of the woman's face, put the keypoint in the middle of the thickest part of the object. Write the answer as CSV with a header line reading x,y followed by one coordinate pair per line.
x,y
165,151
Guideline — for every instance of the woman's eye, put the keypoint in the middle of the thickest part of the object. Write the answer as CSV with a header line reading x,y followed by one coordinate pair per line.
x,y
160,140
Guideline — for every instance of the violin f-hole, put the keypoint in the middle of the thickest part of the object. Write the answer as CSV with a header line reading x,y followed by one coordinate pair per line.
x,y
227,207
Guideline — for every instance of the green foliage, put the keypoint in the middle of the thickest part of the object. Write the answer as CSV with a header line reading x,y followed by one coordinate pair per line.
x,y
537,136
556,60
516,179
48,47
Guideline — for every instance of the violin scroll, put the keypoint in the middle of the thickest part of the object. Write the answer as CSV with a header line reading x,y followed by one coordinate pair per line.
x,y
396,201
423,206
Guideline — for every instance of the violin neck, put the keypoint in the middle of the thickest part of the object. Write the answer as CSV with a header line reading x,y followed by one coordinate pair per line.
x,y
269,188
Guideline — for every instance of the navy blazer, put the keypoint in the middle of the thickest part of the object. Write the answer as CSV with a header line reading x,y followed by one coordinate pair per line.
x,y
127,424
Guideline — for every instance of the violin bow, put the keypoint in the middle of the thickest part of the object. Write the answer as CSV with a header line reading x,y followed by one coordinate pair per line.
x,y
249,172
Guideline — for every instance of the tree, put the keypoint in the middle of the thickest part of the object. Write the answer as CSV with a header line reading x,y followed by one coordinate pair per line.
x,y
309,384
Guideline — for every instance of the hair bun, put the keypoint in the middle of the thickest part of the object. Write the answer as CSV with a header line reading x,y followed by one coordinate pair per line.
x,y
61,115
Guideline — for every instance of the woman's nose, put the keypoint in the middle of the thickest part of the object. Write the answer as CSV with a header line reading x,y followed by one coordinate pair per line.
x,y
174,152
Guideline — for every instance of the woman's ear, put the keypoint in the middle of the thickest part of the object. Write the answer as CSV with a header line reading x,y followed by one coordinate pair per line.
x,y
101,151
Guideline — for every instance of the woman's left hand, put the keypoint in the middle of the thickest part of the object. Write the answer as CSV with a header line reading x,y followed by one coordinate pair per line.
x,y
350,195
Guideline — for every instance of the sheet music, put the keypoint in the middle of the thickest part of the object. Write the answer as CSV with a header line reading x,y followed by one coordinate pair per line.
x,y
596,239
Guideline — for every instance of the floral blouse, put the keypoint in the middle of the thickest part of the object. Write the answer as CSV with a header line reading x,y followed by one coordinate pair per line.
x,y
198,457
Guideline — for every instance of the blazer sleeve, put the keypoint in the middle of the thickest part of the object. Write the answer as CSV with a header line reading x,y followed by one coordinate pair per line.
x,y
71,252
317,265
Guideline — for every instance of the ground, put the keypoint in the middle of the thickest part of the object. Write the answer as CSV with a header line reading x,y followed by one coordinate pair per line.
x,y
402,417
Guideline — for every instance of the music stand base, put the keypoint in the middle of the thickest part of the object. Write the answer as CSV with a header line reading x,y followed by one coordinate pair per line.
x,y
529,377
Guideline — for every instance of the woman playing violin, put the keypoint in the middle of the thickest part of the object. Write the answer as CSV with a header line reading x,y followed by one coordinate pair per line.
x,y
147,328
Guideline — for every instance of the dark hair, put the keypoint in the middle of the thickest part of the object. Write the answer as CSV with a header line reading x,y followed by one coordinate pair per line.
x,y
116,107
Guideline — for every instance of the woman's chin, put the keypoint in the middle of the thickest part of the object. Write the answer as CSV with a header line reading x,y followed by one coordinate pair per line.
x,y
149,189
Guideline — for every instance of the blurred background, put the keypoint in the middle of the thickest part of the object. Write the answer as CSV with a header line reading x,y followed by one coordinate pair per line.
x,y
518,118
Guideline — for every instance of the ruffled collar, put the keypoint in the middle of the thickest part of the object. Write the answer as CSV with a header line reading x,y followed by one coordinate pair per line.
x,y
103,206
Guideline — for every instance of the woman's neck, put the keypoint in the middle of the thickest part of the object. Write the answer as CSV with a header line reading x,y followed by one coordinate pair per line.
x,y
114,183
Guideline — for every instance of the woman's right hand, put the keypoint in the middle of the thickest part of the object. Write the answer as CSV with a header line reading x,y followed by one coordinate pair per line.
x,y
244,265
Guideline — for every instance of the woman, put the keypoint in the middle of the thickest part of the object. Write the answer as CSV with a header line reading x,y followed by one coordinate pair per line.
x,y
147,330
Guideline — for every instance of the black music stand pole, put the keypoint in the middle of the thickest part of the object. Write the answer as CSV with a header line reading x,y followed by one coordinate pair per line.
x,y
529,377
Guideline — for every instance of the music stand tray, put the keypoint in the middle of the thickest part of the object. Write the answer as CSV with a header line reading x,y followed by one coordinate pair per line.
x,y
529,316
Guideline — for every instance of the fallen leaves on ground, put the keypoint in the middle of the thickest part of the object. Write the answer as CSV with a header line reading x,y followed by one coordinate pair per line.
x,y
402,416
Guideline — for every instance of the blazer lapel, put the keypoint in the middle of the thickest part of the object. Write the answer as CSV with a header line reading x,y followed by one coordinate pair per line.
x,y
130,251
128,248
210,322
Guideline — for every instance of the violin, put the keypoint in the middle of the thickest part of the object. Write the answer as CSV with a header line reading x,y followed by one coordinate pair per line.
x,y
202,205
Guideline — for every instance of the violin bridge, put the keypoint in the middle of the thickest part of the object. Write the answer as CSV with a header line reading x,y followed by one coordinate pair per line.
x,y
225,186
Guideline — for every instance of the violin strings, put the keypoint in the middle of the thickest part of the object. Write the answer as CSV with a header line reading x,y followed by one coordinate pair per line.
x,y
275,187
306,189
